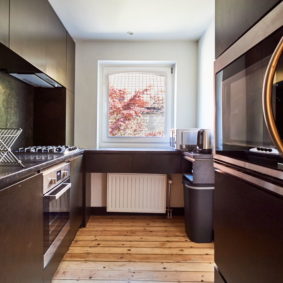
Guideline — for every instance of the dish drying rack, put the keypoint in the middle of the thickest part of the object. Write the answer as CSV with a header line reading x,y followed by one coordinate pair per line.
x,y
8,136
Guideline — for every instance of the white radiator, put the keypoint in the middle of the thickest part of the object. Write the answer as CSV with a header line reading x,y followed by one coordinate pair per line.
x,y
144,193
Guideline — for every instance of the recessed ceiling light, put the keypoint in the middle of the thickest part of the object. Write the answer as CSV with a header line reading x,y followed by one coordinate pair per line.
x,y
130,33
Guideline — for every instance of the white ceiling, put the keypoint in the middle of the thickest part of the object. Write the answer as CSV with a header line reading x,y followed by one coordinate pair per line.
x,y
147,19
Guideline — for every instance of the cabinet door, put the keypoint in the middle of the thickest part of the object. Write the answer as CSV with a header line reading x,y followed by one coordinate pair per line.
x,y
38,36
56,47
21,232
248,231
234,17
76,194
4,22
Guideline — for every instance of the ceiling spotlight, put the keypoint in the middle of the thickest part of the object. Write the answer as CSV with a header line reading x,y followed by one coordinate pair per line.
x,y
130,33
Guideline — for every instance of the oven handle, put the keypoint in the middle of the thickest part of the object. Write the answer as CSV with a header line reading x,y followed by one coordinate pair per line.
x,y
267,96
60,193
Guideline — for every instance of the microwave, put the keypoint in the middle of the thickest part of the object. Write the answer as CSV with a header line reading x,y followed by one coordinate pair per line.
x,y
184,139
242,122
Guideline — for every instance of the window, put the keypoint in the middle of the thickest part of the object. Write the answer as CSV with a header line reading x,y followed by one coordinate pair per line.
x,y
137,105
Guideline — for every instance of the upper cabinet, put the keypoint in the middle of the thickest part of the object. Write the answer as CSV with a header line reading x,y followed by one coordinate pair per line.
x,y
4,22
38,36
234,17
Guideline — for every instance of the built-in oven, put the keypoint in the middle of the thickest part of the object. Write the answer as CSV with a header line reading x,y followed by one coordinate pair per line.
x,y
56,204
243,73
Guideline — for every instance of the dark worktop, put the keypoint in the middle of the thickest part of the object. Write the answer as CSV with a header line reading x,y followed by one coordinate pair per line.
x,y
134,150
118,160
135,160
34,163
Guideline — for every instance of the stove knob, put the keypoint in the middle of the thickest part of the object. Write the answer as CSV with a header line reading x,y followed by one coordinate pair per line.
x,y
58,149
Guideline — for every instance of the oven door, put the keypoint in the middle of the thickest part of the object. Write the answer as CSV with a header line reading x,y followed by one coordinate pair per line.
x,y
240,123
56,218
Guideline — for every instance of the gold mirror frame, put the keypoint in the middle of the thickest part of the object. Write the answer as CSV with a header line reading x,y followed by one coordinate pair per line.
x,y
267,96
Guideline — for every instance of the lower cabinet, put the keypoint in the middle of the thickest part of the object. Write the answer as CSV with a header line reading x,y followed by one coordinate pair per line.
x,y
21,232
76,217
248,231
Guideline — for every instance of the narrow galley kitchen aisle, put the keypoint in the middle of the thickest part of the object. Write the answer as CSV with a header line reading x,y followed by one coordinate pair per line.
x,y
135,249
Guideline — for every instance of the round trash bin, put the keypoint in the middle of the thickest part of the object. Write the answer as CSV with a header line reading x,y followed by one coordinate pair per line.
x,y
198,203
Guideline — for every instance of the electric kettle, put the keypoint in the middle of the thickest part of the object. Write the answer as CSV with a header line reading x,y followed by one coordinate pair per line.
x,y
204,141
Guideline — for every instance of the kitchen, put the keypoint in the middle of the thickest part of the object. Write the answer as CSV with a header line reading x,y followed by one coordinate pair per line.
x,y
53,76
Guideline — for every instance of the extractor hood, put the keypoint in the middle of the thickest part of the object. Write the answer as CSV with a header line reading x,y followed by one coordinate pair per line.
x,y
37,80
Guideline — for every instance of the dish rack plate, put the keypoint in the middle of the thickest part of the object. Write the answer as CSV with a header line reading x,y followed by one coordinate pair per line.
x,y
8,136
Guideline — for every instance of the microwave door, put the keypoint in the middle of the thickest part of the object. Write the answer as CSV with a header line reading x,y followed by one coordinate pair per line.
x,y
240,122
272,96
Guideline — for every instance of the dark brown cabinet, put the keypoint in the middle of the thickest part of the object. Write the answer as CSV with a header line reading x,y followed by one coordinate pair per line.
x,y
76,217
21,232
248,230
38,36
70,110
158,162
234,17
4,22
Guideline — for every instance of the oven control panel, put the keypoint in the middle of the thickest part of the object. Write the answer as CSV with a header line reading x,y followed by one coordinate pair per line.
x,y
55,175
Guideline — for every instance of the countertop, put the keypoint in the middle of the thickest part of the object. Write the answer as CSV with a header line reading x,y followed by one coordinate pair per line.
x,y
34,163
133,150
195,155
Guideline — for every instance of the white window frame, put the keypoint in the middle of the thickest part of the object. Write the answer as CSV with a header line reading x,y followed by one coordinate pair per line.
x,y
106,68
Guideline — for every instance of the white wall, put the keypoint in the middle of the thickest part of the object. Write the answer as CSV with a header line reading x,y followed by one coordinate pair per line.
x,y
206,55
184,53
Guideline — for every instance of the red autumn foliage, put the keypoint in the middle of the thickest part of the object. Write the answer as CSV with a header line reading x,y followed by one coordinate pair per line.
x,y
125,111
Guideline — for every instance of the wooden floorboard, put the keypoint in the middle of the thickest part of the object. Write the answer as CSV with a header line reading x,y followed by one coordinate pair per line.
x,y
135,249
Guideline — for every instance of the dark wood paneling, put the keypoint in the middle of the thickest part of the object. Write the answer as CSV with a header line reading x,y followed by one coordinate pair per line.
x,y
166,163
16,108
71,50
234,17
248,230
49,116
52,266
38,36
70,117
76,217
56,47
108,162
21,232
4,21
134,162
27,30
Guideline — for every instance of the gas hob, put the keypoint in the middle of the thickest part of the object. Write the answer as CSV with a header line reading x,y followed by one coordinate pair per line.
x,y
57,149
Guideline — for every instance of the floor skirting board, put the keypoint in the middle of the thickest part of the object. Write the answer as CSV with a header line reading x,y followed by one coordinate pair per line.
x,y
102,211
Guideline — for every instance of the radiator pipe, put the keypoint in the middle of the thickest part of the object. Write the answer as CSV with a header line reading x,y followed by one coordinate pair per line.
x,y
169,209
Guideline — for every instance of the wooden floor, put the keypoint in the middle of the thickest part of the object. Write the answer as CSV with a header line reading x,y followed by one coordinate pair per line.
x,y
135,249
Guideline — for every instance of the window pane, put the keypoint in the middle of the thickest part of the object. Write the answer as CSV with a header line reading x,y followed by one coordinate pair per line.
x,y
136,104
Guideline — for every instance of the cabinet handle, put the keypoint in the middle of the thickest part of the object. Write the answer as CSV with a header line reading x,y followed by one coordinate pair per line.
x,y
267,96
50,195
